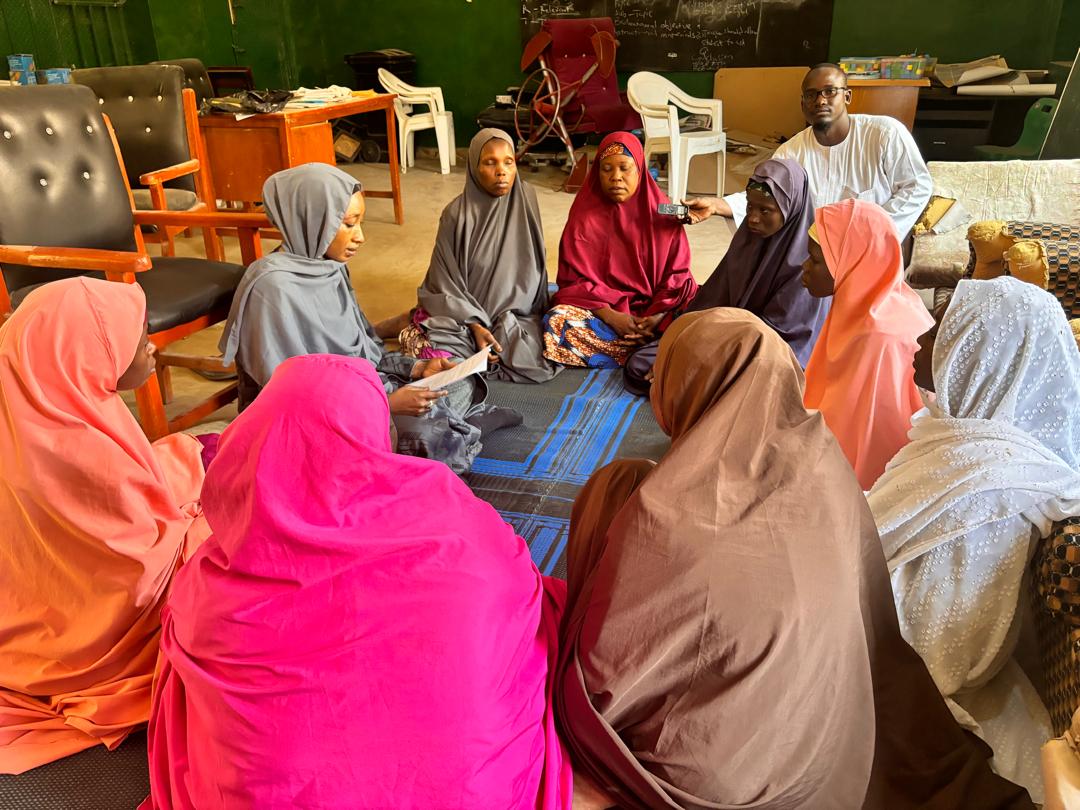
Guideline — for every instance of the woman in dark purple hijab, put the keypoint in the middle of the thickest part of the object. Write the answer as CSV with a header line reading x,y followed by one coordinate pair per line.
x,y
762,269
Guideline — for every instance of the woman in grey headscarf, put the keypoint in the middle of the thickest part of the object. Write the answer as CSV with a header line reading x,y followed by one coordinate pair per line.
x,y
299,300
487,282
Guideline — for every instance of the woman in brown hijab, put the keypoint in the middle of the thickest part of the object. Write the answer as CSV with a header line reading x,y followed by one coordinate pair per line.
x,y
730,636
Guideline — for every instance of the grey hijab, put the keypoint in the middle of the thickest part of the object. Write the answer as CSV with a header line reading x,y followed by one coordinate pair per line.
x,y
296,301
489,267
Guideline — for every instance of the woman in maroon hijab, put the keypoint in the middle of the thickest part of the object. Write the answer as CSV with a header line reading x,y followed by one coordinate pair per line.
x,y
624,269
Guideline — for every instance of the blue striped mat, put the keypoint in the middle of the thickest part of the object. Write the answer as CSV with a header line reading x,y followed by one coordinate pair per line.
x,y
573,425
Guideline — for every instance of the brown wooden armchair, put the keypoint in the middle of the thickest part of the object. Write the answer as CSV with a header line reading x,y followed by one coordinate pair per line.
x,y
67,209
156,120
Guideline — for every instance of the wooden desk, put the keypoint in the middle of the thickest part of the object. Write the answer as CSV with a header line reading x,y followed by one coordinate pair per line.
x,y
242,154
896,98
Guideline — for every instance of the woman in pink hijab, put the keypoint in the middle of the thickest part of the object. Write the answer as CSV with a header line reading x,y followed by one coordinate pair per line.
x,y
624,268
860,375
359,631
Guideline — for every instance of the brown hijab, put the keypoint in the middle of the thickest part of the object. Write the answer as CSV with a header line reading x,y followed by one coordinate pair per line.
x,y
724,642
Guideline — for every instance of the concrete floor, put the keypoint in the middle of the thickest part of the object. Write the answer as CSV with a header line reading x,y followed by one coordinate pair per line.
x,y
387,271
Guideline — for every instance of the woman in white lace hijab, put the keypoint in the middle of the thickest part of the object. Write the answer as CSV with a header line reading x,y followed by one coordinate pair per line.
x,y
992,463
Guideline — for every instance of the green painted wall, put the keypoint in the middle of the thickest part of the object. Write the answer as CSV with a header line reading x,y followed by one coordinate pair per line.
x,y
1023,31
282,41
197,28
1068,36
471,50
64,36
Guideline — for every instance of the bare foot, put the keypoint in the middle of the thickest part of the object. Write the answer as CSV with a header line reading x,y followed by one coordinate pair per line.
x,y
391,327
588,795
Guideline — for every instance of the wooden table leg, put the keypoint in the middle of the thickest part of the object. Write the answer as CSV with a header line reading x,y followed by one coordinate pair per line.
x,y
395,169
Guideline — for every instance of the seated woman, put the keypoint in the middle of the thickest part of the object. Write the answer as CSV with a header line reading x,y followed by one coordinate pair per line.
x,y
992,463
95,521
729,637
859,375
762,269
624,269
299,300
487,282
359,631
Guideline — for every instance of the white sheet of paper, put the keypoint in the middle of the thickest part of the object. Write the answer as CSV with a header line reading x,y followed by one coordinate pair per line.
x,y
473,365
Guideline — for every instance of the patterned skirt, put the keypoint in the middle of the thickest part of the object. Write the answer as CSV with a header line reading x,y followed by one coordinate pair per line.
x,y
414,340
575,337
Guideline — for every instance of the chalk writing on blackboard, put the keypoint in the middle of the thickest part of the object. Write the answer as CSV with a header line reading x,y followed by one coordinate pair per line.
x,y
701,34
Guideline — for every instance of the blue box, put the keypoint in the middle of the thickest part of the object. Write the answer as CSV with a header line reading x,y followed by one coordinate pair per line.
x,y
54,76
21,68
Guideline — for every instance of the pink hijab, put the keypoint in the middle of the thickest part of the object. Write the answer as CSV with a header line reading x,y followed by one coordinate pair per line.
x,y
94,521
860,375
359,631
624,255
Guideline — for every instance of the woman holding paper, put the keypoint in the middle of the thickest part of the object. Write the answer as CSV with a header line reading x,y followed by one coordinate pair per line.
x,y
300,301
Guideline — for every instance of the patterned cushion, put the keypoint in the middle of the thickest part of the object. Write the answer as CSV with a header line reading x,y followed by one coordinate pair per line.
x,y
1055,593
1045,231
1062,245
1063,259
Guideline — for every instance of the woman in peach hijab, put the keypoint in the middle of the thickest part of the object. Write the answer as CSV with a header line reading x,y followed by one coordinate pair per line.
x,y
860,375
94,522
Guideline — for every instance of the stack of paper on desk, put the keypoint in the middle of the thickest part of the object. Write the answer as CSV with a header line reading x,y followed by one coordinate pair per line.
x,y
990,76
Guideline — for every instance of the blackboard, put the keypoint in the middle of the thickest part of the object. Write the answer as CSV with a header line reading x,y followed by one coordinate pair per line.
x,y
1063,139
701,35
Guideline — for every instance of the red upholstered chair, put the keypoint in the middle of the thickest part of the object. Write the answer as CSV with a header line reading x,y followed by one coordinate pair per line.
x,y
575,91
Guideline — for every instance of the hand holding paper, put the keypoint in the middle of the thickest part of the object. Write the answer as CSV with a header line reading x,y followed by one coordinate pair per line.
x,y
476,364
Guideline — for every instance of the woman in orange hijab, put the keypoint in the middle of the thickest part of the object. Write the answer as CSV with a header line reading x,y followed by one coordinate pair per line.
x,y
94,520
860,375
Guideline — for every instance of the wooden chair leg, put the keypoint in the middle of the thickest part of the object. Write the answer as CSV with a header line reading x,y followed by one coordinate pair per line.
x,y
168,245
214,249
151,409
164,375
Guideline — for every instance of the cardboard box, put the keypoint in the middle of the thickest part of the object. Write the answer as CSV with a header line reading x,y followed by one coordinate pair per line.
x,y
764,100
21,68
54,76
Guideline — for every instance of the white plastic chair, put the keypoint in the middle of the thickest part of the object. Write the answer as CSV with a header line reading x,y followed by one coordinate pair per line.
x,y
409,122
658,101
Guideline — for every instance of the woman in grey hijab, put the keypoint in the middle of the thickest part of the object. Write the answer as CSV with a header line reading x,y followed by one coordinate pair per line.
x,y
487,282
299,300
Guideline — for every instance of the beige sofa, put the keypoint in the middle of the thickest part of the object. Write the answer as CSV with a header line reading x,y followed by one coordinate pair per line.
x,y
1027,190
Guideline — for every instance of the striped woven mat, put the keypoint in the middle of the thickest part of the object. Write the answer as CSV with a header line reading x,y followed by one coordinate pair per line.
x,y
573,425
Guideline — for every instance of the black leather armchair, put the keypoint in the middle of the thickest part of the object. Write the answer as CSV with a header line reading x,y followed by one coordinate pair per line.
x,y
196,78
64,187
159,140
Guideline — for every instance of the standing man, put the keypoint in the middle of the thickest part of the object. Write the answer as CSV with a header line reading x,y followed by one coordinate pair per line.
x,y
866,157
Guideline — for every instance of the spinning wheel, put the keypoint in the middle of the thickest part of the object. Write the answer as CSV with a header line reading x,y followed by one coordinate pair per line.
x,y
567,94
538,102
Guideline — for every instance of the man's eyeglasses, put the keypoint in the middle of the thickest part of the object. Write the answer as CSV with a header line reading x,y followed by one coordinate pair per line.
x,y
810,96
